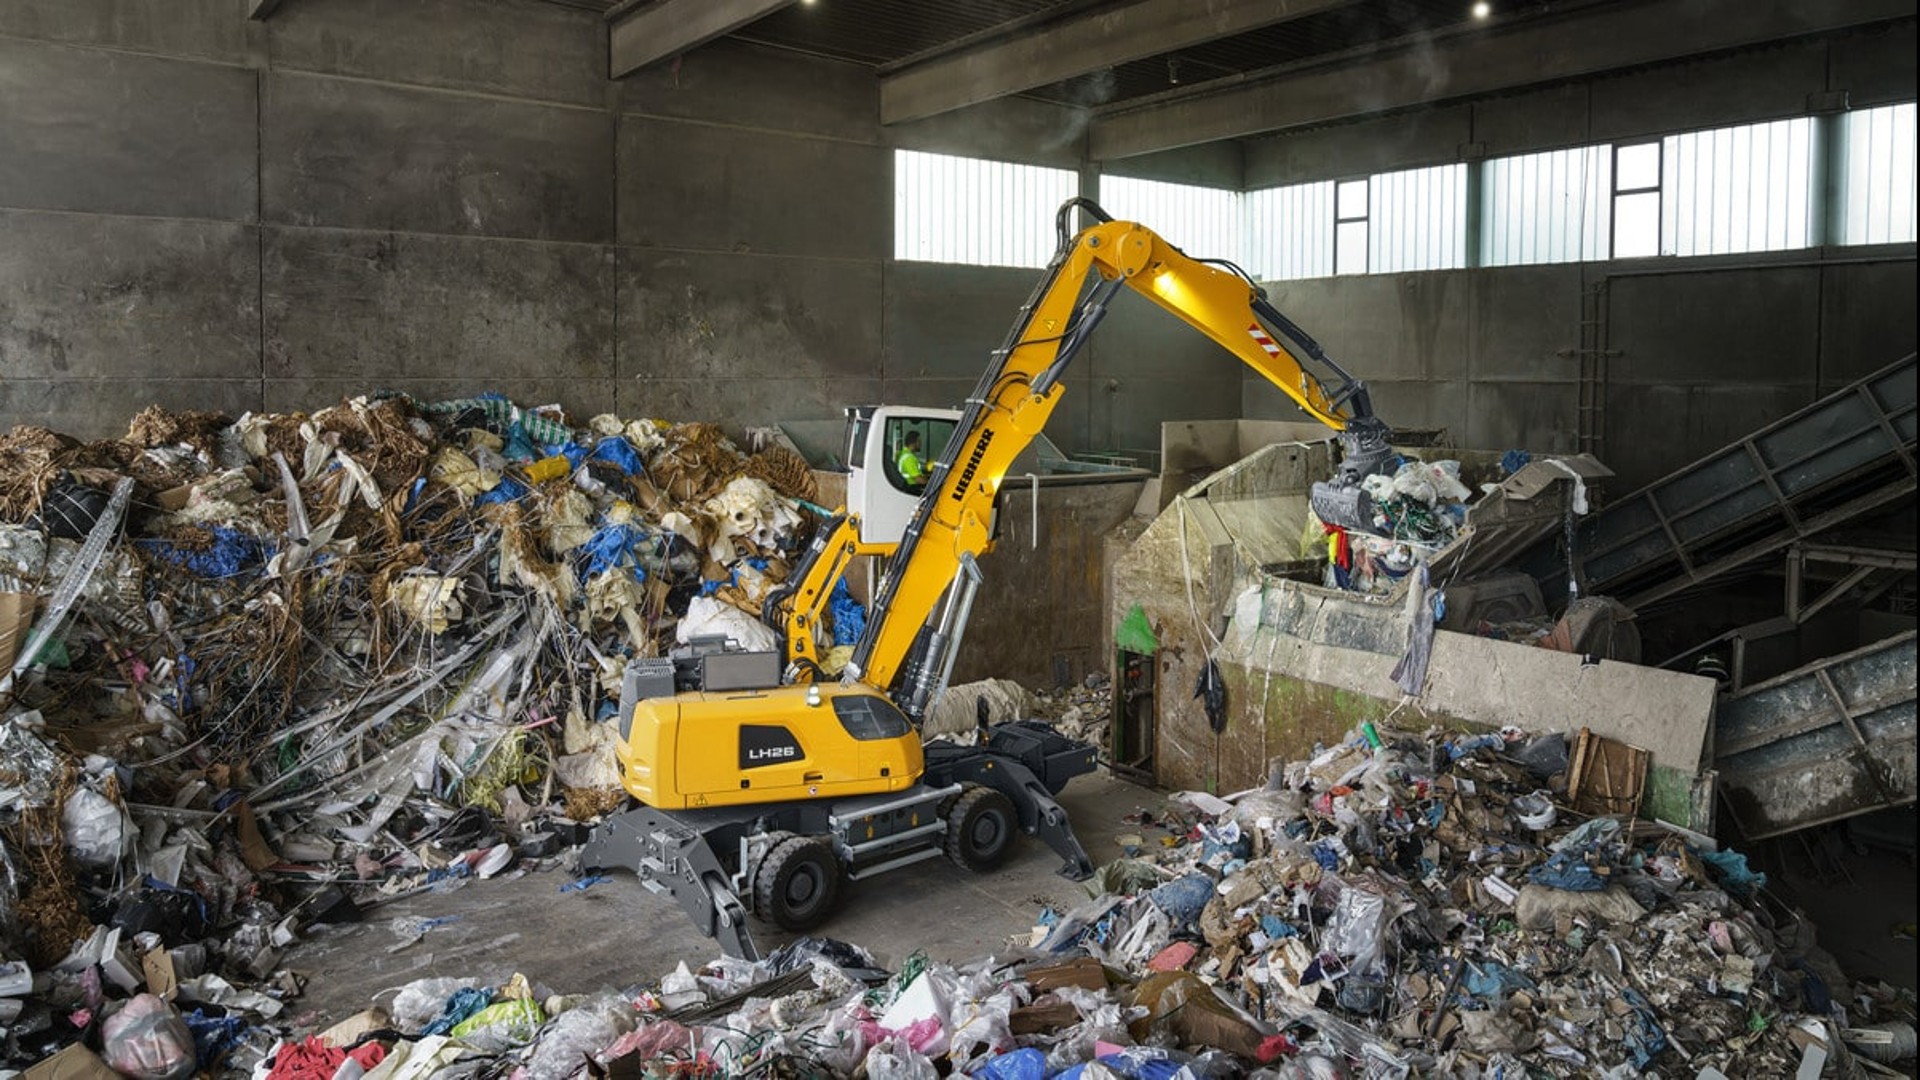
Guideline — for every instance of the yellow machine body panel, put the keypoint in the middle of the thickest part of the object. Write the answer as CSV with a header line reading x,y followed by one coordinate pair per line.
x,y
789,742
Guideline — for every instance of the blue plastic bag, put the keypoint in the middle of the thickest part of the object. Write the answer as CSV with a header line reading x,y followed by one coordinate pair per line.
x,y
1028,1064
618,451
507,490
1567,870
849,618
611,547
1731,868
231,553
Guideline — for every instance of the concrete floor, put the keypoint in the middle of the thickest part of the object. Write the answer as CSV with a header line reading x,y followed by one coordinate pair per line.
x,y
618,934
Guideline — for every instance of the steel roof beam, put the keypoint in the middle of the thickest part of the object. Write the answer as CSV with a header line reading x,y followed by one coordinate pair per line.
x,y
1074,47
671,27
1466,65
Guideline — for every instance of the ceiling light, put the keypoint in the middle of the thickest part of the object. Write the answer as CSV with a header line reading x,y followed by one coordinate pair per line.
x,y
1480,10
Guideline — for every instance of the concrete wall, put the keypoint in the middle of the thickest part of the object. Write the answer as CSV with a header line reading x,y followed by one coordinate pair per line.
x,y
1038,618
447,196
208,212
1700,351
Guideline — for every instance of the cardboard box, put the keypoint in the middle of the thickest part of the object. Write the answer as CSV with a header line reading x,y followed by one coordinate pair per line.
x,y
162,981
1084,972
16,618
1043,1017
75,1062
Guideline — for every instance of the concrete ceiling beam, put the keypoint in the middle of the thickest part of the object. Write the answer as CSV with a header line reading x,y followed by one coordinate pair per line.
x,y
1074,47
1464,65
671,27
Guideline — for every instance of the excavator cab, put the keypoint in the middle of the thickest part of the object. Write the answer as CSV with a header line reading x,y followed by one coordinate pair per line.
x,y
876,491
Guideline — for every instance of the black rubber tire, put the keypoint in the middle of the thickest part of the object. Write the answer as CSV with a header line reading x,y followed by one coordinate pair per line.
x,y
980,829
797,884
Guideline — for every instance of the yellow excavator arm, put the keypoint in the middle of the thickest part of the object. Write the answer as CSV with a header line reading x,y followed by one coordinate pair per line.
x,y
1024,381
779,790
795,609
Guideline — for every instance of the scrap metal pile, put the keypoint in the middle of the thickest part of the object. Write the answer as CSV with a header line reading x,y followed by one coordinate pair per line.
x,y
243,656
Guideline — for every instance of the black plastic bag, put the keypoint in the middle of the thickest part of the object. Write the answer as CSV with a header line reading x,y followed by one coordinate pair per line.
x,y
1210,687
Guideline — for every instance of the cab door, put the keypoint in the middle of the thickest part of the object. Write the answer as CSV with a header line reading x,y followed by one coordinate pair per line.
x,y
876,491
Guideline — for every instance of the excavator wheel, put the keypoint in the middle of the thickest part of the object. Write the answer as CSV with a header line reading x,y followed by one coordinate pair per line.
x,y
980,828
798,883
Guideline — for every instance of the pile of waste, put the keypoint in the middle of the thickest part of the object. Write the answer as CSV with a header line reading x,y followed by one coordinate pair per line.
x,y
1399,905
266,673
1431,906
1418,509
372,647
1079,710
1082,711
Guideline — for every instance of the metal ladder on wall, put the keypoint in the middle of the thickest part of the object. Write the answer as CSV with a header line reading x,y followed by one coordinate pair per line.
x,y
1846,455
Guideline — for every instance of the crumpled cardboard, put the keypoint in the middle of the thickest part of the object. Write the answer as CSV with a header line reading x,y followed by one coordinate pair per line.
x,y
16,619
73,1062
429,600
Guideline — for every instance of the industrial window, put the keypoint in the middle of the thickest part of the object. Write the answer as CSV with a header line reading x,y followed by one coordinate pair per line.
x,y
1735,189
1879,188
1350,227
1289,231
1547,208
984,213
1203,222
1416,220
1636,200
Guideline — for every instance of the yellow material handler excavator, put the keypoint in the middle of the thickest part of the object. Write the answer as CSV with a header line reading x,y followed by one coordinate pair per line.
x,y
760,784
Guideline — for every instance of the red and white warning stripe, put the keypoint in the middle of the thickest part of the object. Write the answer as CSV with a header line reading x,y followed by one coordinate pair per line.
x,y
1264,340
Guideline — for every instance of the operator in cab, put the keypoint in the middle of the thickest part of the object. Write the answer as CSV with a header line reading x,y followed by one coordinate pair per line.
x,y
913,467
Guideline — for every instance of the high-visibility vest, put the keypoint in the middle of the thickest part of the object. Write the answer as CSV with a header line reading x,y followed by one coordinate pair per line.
x,y
911,470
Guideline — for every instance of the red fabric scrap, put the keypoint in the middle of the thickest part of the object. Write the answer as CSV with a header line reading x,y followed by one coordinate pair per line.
x,y
311,1059
1174,957
1340,547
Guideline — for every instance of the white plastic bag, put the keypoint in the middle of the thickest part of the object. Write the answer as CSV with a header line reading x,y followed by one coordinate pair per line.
x,y
421,1000
707,616
895,1060
96,829
587,1029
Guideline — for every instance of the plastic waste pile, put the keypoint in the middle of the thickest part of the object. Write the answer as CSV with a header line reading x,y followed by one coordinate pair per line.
x,y
1417,510
265,673
261,672
1082,710
1427,906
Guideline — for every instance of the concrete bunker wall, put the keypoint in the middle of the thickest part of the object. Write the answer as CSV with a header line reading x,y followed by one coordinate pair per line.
x,y
1303,664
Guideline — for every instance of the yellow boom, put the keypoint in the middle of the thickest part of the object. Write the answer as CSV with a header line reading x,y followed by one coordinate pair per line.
x,y
1023,383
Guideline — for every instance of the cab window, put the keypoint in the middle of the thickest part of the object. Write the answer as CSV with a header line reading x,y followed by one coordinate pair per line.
x,y
867,718
932,435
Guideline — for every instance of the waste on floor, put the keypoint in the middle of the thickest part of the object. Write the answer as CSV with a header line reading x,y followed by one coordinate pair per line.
x,y
268,673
